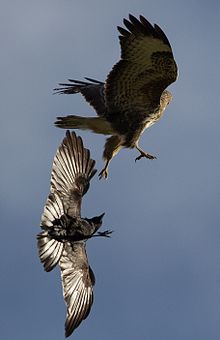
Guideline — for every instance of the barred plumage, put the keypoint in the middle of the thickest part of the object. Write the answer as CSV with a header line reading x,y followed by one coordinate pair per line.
x,y
134,94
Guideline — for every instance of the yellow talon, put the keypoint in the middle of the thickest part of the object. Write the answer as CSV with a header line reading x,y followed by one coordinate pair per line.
x,y
103,174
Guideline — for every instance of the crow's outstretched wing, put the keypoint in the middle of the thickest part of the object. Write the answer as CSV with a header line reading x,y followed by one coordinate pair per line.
x,y
72,171
92,91
77,281
146,68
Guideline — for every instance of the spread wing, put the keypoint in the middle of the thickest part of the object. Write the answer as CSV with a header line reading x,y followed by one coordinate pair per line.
x,y
146,68
92,91
72,171
77,281
49,249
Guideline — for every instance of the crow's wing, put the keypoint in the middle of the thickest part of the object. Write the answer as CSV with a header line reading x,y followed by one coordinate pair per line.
x,y
72,171
92,91
49,249
77,281
146,68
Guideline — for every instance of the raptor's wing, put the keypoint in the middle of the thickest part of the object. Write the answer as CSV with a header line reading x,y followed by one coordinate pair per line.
x,y
77,281
92,91
146,68
72,171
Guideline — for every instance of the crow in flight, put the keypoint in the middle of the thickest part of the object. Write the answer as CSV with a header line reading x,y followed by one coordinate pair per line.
x,y
64,232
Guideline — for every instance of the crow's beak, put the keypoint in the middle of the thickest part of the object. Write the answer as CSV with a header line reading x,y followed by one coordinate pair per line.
x,y
101,216
98,219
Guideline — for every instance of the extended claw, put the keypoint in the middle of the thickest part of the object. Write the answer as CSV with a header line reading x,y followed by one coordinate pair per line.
x,y
146,155
103,173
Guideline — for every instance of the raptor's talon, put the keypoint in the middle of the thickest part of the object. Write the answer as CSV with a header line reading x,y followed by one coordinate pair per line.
x,y
146,155
103,174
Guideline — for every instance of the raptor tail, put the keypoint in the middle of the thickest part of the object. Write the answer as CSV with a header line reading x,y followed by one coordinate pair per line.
x,y
94,124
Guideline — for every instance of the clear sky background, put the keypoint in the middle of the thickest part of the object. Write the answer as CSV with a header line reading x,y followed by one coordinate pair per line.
x,y
158,276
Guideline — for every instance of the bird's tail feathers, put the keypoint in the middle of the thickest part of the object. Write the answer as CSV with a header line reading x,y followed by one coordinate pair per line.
x,y
95,124
49,249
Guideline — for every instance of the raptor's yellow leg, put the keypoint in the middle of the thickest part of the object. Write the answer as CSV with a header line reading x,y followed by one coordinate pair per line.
x,y
143,154
112,146
104,172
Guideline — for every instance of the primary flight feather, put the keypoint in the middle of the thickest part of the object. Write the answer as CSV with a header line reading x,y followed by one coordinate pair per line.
x,y
134,95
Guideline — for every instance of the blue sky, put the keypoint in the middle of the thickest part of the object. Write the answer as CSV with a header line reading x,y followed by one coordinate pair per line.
x,y
158,276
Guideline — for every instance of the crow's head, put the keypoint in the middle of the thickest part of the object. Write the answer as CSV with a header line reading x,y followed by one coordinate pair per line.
x,y
97,220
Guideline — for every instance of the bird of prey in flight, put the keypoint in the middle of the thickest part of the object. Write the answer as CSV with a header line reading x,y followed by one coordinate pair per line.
x,y
134,95
65,232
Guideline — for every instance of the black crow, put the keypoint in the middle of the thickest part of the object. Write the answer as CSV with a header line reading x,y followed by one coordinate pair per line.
x,y
65,232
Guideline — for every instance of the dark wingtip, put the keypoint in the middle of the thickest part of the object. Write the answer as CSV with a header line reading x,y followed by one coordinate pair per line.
x,y
123,31
68,332
131,17
134,20
94,81
130,26
161,34
68,134
141,26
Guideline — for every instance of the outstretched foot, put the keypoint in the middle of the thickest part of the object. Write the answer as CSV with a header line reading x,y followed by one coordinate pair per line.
x,y
144,154
103,173
105,233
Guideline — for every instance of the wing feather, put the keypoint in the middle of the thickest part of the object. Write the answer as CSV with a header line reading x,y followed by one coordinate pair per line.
x,y
146,68
77,283
72,171
53,210
92,91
